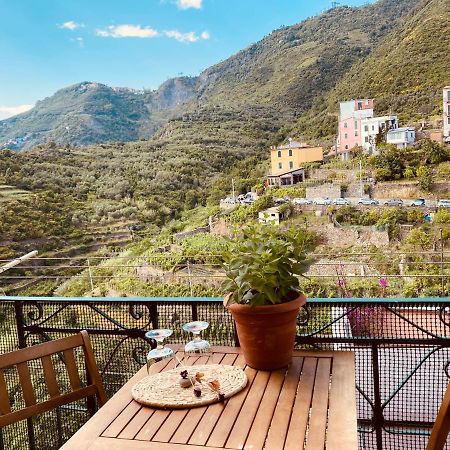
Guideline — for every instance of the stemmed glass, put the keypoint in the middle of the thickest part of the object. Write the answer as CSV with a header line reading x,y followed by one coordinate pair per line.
x,y
160,352
197,345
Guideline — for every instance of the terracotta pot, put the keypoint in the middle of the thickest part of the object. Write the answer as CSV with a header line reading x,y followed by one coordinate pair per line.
x,y
267,333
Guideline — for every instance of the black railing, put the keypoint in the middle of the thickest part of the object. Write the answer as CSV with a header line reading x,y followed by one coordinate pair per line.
x,y
402,349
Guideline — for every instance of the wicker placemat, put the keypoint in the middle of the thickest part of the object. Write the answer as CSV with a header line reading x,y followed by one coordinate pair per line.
x,y
162,390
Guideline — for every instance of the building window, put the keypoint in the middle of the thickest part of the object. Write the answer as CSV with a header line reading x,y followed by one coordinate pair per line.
x,y
448,95
291,164
345,136
290,152
448,109
448,120
279,154
346,147
373,127
345,124
356,132
356,125
366,127
280,165
360,105
366,139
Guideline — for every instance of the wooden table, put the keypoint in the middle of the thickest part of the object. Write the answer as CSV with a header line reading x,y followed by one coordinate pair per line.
x,y
311,405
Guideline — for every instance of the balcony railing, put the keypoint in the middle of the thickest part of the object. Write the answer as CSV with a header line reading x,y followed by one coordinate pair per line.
x,y
402,349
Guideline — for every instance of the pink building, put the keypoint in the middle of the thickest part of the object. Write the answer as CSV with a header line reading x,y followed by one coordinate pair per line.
x,y
446,115
351,113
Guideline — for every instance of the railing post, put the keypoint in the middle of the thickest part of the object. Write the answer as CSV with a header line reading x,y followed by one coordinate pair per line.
x,y
18,310
378,418
194,312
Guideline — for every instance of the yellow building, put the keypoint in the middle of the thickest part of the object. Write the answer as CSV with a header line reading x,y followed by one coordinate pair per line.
x,y
287,162
293,156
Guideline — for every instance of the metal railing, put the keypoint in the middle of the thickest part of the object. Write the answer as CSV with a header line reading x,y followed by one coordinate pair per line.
x,y
402,350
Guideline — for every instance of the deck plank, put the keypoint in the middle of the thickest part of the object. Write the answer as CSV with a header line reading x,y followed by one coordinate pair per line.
x,y
258,430
280,421
342,399
300,410
319,406
212,415
194,415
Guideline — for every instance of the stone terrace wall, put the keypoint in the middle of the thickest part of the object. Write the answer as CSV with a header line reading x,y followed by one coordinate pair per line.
x,y
344,237
325,190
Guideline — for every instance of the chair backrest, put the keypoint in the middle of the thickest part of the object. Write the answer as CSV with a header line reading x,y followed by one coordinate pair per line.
x,y
441,426
65,349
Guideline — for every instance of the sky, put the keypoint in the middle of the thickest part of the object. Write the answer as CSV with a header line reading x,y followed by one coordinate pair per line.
x,y
49,44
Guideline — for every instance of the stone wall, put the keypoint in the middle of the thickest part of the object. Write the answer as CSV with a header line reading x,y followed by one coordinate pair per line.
x,y
325,190
346,236
408,189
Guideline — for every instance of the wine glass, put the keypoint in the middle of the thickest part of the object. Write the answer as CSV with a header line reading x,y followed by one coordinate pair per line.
x,y
160,352
197,345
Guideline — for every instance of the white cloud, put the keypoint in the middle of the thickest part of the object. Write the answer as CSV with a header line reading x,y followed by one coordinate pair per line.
x,y
191,36
122,31
71,25
9,111
187,4
137,31
182,37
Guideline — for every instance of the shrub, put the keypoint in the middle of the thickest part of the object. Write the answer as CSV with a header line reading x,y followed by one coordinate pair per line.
x,y
442,216
383,174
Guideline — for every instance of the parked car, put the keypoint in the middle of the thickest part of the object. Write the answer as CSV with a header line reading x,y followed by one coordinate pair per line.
x,y
394,202
230,200
368,201
443,203
302,201
322,201
341,201
418,202
280,201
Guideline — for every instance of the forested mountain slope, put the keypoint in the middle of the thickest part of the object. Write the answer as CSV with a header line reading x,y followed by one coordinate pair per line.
x,y
405,73
286,71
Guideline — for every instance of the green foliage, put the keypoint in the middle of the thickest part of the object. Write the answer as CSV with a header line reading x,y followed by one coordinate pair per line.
x,y
263,264
419,238
291,192
383,174
425,178
243,213
442,216
434,152
392,160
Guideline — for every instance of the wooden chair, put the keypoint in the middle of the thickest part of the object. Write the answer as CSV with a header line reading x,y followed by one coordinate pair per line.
x,y
441,426
65,347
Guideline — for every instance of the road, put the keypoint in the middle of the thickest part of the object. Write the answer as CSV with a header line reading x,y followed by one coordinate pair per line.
x,y
429,204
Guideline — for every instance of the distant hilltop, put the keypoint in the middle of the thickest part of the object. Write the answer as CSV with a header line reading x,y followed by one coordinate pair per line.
x,y
392,50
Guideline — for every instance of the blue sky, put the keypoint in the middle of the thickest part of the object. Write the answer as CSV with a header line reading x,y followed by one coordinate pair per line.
x,y
48,44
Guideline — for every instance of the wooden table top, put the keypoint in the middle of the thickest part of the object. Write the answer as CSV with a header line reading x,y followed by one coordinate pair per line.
x,y
311,405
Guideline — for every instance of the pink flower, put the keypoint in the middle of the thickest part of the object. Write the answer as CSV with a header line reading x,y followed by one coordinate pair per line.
x,y
383,283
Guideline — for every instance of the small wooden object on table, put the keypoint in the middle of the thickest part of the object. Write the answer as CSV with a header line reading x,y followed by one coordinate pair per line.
x,y
311,405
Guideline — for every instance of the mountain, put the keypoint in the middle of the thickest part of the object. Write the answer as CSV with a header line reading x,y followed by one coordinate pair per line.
x,y
87,113
405,73
287,72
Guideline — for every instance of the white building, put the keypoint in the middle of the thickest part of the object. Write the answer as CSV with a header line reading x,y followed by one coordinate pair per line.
x,y
446,113
401,137
371,127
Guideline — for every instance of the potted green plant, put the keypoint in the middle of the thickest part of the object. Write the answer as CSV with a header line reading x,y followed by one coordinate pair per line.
x,y
263,266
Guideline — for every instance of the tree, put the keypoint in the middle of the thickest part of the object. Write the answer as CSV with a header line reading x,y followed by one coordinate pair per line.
x,y
425,178
433,152
393,159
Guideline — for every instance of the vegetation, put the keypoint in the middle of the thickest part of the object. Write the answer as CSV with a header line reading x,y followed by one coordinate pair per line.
x,y
263,264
